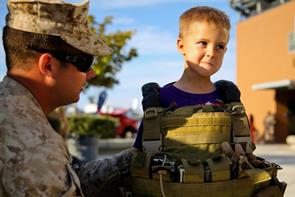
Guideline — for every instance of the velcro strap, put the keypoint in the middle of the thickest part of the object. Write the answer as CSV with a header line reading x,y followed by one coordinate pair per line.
x,y
197,119
209,127
197,135
242,139
152,145
240,123
193,173
220,168
152,123
140,164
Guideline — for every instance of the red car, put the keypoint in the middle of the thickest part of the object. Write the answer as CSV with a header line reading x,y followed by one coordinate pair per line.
x,y
129,121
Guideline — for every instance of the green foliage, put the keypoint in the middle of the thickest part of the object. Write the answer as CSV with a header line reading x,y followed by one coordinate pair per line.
x,y
92,125
107,67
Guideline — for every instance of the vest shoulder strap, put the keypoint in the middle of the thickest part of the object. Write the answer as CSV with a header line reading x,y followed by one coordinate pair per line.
x,y
151,95
228,90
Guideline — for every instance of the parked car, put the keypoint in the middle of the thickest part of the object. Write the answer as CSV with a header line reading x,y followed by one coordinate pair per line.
x,y
128,121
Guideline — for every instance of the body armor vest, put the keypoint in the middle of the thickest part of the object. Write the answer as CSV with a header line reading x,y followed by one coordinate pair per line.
x,y
182,154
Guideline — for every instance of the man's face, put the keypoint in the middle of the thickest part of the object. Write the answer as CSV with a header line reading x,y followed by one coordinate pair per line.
x,y
70,82
203,46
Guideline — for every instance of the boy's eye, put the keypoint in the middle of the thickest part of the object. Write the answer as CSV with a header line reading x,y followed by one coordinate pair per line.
x,y
220,46
202,43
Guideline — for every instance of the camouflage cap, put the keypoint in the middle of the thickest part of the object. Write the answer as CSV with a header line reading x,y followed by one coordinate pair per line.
x,y
58,18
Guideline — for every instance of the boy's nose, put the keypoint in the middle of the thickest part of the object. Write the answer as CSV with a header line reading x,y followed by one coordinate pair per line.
x,y
210,52
90,74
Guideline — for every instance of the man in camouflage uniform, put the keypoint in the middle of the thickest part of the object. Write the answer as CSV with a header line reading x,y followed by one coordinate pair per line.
x,y
49,53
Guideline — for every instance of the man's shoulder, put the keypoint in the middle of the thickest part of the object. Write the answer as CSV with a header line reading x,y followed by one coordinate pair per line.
x,y
30,137
19,104
19,111
24,125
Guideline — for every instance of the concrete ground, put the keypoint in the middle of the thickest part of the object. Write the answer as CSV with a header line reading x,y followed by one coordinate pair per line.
x,y
284,155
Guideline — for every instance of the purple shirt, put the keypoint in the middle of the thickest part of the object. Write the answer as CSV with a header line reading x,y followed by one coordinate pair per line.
x,y
169,94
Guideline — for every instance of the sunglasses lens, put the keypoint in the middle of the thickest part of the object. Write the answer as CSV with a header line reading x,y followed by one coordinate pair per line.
x,y
83,64
88,63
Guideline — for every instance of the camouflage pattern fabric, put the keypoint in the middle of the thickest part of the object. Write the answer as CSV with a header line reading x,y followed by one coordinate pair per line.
x,y
104,178
57,18
34,160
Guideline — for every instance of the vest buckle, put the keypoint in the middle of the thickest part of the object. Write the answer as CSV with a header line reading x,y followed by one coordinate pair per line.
x,y
151,113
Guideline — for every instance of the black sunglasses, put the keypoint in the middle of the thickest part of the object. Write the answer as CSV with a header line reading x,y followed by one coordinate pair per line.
x,y
82,63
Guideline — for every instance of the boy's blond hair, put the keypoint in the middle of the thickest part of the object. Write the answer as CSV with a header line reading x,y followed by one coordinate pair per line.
x,y
203,14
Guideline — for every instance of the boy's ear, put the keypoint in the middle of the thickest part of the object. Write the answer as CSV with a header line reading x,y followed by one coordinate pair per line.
x,y
180,45
45,64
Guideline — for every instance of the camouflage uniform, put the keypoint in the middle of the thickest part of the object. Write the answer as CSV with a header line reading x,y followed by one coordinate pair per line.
x,y
34,160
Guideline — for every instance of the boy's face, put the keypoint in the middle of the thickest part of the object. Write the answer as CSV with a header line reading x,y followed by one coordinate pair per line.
x,y
203,46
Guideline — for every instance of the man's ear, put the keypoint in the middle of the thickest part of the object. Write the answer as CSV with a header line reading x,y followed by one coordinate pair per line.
x,y
180,45
45,64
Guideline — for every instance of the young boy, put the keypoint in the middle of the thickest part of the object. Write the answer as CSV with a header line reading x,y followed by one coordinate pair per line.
x,y
203,37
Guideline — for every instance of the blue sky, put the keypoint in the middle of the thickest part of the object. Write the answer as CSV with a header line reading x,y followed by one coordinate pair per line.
x,y
155,23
